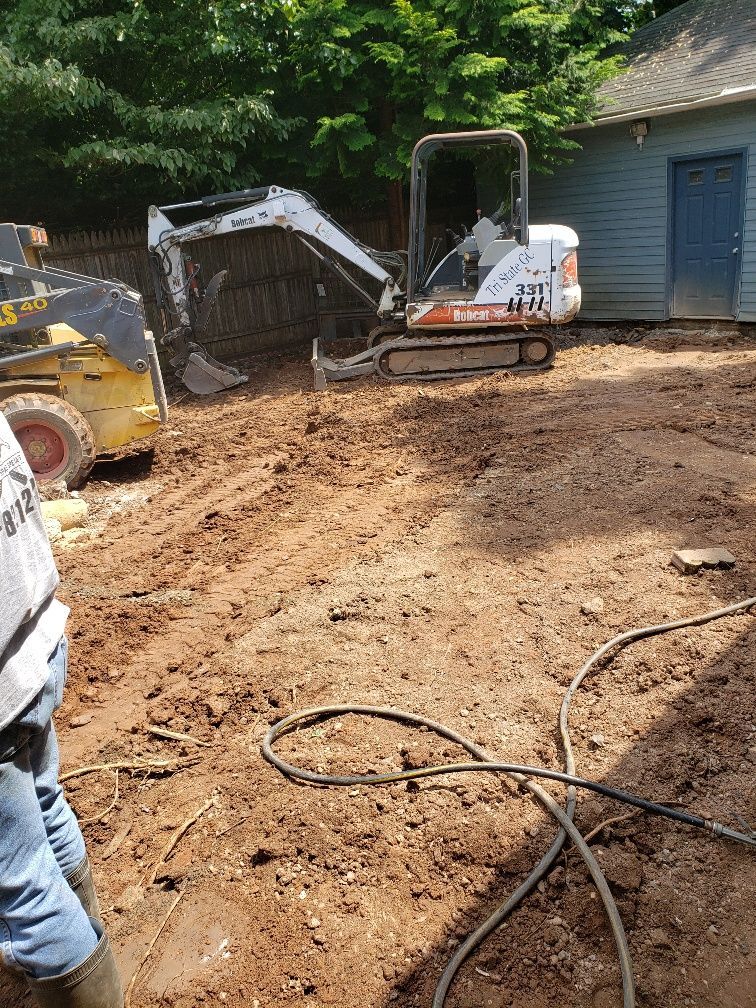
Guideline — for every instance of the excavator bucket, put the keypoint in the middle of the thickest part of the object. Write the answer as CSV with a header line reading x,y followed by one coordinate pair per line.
x,y
190,361
203,375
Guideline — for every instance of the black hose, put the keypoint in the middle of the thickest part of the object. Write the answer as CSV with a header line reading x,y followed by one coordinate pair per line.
x,y
520,774
489,766
567,828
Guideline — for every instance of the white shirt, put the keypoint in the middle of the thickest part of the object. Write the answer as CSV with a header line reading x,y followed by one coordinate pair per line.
x,y
32,620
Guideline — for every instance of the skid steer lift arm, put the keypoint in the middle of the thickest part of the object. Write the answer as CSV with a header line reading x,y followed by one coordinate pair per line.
x,y
188,307
107,313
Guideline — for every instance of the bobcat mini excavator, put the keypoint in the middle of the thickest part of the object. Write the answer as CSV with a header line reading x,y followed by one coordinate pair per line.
x,y
486,305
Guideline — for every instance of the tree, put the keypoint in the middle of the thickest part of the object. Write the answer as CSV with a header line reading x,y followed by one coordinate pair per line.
x,y
643,11
110,105
375,76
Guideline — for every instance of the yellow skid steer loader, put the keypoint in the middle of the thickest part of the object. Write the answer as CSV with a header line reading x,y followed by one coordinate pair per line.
x,y
79,373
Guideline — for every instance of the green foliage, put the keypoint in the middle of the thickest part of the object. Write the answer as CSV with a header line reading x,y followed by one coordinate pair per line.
x,y
373,77
640,12
109,106
112,104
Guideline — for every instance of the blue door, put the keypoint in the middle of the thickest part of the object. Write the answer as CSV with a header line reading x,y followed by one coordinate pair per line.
x,y
707,227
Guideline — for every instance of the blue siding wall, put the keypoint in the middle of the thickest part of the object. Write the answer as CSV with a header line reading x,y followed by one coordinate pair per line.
x,y
615,196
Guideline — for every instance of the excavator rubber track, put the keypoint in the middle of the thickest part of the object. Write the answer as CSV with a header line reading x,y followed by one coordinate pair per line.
x,y
428,358
383,333
434,358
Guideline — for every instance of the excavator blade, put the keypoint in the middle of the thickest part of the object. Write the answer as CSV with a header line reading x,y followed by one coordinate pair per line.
x,y
327,369
203,375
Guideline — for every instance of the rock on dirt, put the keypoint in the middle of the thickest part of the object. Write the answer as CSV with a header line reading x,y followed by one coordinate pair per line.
x,y
593,607
70,512
51,490
80,720
53,528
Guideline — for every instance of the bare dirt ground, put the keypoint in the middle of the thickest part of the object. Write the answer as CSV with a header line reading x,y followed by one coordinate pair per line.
x,y
430,547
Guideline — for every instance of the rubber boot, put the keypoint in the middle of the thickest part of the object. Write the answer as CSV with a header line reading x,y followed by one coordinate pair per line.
x,y
82,883
95,983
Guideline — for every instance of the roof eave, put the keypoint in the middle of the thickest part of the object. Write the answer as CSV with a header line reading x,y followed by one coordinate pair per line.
x,y
726,97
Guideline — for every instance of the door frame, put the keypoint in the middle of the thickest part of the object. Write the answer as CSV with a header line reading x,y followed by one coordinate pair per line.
x,y
672,162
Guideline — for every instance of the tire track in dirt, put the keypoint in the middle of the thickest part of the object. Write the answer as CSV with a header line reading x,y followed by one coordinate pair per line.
x,y
235,547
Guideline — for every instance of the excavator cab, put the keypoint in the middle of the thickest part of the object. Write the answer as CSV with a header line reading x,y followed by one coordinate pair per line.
x,y
492,300
489,240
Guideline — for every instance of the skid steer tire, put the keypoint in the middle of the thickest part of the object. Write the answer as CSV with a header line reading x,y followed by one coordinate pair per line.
x,y
56,439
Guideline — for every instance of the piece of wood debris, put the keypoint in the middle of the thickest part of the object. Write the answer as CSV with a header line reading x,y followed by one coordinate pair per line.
x,y
140,764
177,836
178,736
116,842
101,815
690,561
233,826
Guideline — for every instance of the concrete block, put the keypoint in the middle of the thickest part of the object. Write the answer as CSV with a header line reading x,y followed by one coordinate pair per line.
x,y
71,513
690,561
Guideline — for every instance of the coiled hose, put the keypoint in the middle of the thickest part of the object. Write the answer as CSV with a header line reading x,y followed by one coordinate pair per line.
x,y
521,774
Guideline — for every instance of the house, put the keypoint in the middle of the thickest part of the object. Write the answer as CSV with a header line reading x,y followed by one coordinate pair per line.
x,y
663,192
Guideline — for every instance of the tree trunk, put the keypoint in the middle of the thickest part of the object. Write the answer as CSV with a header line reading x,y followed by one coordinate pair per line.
x,y
396,215
397,218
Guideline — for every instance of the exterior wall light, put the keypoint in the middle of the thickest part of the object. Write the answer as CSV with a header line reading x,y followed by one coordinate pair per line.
x,y
639,130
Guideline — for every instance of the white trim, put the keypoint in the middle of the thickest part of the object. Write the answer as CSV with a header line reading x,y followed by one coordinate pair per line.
x,y
725,97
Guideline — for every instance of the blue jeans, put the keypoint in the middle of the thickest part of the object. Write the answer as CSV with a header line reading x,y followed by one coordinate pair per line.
x,y
43,927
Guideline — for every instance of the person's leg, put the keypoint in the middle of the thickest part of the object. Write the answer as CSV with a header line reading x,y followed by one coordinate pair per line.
x,y
63,832
62,829
95,983
44,929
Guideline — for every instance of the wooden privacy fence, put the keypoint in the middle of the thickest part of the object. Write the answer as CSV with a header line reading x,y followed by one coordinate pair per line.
x,y
276,294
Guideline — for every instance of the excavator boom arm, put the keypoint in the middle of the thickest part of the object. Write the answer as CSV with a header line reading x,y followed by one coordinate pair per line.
x,y
273,206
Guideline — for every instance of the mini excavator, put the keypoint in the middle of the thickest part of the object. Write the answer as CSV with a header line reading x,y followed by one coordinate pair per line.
x,y
488,304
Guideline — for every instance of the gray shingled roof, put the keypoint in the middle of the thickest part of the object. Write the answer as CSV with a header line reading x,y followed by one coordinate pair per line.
x,y
697,50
